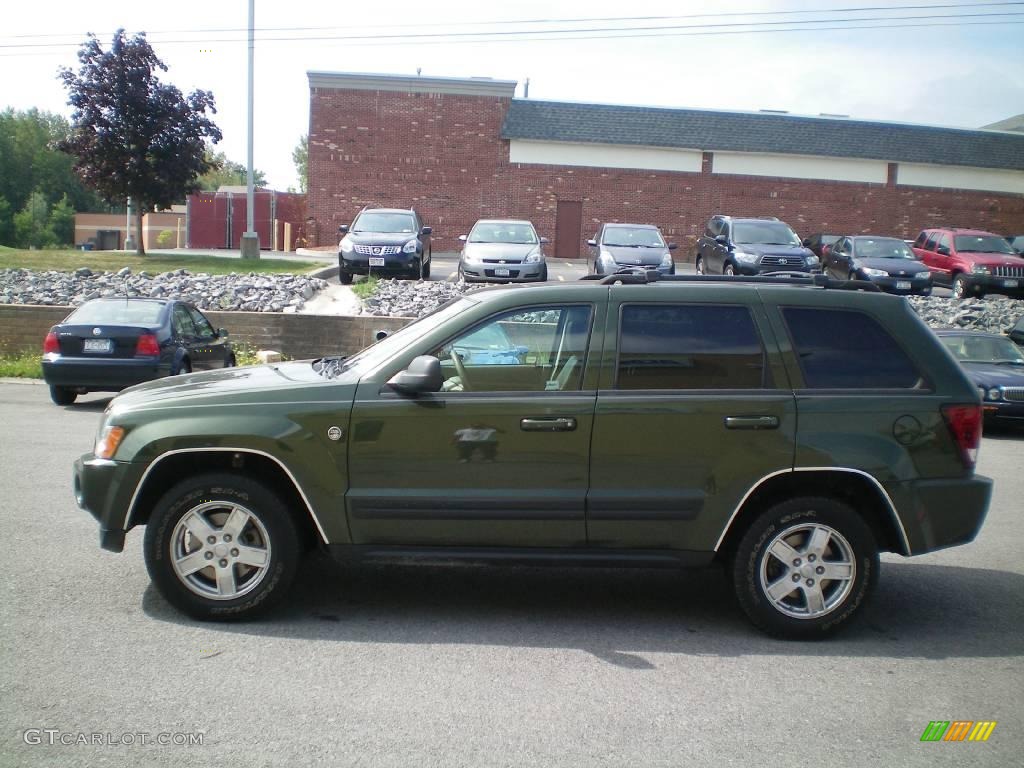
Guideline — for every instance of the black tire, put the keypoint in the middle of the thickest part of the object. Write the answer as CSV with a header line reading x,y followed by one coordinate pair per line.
x,y
699,266
183,368
345,278
730,270
959,287
213,497
543,274
231,362
62,395
787,527
425,270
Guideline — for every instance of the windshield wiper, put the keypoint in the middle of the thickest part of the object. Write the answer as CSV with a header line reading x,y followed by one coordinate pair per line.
x,y
330,367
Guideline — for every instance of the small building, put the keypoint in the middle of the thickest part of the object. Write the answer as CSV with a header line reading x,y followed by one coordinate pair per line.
x,y
459,149
107,231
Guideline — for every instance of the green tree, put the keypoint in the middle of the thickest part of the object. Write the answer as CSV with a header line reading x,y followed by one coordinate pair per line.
x,y
224,172
300,156
6,222
32,224
62,222
30,161
134,136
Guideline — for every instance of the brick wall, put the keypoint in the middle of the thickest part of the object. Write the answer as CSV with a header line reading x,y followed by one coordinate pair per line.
x,y
443,155
295,336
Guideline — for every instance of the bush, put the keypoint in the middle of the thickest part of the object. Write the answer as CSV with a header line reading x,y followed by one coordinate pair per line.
x,y
165,238
21,365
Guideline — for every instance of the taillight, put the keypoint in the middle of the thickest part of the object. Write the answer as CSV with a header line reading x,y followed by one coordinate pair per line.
x,y
964,422
51,346
147,345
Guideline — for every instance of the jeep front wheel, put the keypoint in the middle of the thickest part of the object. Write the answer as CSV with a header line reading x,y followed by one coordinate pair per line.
x,y
805,568
221,547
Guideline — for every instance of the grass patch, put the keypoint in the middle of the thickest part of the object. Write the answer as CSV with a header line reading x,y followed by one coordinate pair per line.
x,y
111,261
364,289
21,365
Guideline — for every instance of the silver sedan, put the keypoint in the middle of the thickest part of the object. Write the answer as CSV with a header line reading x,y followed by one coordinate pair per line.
x,y
502,251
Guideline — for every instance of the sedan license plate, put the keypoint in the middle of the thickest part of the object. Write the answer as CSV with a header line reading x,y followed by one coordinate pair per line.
x,y
1010,283
902,285
376,261
97,345
501,273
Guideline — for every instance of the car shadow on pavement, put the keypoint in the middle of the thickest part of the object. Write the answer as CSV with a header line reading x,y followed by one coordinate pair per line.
x,y
621,615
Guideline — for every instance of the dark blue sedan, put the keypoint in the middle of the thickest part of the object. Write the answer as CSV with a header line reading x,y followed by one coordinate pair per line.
x,y
108,344
885,261
996,365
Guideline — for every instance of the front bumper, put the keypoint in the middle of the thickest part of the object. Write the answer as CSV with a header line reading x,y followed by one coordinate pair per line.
x,y
937,514
1003,411
918,286
481,272
752,270
394,264
1008,286
104,489
107,375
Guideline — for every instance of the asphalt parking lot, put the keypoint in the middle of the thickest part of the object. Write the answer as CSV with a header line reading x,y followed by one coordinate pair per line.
x,y
484,666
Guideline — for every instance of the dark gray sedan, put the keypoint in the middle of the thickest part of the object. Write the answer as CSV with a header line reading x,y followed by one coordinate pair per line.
x,y
887,262
502,251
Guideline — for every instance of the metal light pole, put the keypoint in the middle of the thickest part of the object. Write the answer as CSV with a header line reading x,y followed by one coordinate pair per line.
x,y
129,230
250,240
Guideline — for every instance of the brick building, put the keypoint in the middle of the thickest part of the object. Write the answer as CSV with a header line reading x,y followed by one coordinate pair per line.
x,y
462,149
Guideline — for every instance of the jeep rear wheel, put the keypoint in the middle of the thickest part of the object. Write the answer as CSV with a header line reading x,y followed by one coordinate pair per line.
x,y
221,547
959,287
699,266
805,568
730,270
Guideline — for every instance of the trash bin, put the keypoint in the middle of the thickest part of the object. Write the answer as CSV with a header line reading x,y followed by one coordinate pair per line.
x,y
86,246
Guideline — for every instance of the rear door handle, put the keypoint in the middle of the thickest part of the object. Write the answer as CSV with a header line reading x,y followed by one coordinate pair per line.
x,y
558,424
751,422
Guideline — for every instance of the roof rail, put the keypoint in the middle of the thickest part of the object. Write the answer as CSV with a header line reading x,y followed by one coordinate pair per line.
x,y
640,276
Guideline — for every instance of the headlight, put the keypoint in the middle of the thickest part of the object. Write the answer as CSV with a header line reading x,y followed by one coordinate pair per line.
x,y
346,245
107,442
470,256
607,255
994,394
981,269
666,261
411,246
532,258
874,272
746,258
812,261
926,275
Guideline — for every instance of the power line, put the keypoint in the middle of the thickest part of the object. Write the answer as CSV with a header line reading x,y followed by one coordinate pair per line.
x,y
504,22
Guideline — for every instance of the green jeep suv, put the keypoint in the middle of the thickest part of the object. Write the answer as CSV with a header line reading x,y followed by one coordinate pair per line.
x,y
788,428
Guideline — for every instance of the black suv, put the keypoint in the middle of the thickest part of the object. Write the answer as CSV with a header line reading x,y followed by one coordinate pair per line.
x,y
735,246
384,241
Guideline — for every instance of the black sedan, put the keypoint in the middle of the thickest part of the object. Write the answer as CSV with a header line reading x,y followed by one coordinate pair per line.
x,y
887,262
996,365
108,344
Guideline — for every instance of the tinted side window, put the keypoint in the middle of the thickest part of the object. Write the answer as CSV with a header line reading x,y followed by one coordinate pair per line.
x,y
668,346
203,327
920,239
183,325
845,349
943,241
713,228
929,243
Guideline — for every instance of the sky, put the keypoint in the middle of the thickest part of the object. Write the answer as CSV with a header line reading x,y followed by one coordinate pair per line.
x,y
804,56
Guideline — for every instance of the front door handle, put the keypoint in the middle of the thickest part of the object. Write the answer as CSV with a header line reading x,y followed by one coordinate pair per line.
x,y
751,422
558,424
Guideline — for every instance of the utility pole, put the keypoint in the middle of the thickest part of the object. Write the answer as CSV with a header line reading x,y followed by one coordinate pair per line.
x,y
129,229
250,240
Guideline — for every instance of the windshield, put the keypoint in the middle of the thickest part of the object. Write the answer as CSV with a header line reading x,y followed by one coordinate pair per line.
x,y
503,232
764,233
384,222
882,248
129,312
983,349
377,353
982,244
635,237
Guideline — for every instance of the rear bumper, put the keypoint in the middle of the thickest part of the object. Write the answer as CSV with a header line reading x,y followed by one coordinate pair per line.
x,y
109,375
937,514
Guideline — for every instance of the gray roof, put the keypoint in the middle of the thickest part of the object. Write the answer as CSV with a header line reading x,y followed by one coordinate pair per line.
x,y
758,132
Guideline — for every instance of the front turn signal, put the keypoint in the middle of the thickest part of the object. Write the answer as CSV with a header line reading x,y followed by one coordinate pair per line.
x,y
108,441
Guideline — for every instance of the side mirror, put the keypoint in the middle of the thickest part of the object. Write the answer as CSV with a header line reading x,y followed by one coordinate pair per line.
x,y
426,230
592,243
380,335
672,246
544,241
221,333
422,375
806,242
942,250
463,238
343,229
721,239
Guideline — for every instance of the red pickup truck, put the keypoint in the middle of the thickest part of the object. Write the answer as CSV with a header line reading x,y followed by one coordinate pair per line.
x,y
971,262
